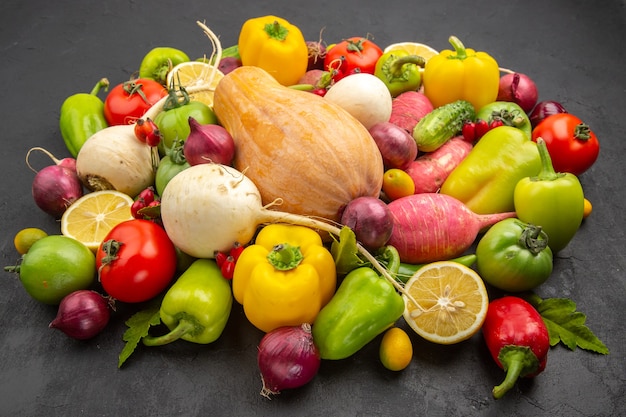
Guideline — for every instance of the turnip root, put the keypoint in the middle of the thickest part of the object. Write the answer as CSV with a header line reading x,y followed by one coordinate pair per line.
x,y
206,208
431,169
432,227
408,108
364,96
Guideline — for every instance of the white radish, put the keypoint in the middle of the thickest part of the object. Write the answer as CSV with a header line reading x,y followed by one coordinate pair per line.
x,y
114,159
364,96
206,208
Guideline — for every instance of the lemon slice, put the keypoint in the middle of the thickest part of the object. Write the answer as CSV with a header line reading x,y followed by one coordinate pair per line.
x,y
413,48
193,74
92,216
452,302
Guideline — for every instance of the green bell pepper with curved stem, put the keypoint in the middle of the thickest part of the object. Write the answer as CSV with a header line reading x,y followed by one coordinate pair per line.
x,y
364,306
400,71
514,256
485,180
197,306
507,112
159,61
555,201
82,115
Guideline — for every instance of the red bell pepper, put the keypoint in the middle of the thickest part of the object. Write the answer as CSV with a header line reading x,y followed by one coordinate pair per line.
x,y
517,339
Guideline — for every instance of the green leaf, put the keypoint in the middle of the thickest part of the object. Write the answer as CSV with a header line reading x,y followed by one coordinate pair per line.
x,y
345,252
567,325
138,326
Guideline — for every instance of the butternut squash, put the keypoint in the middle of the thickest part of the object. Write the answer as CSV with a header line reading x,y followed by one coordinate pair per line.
x,y
297,146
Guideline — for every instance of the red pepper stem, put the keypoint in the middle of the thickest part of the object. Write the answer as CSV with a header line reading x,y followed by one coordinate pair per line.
x,y
103,83
547,172
182,328
459,48
285,257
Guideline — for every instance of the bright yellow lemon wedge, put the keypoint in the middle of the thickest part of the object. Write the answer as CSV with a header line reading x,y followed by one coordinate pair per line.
x,y
452,302
92,216
193,74
413,48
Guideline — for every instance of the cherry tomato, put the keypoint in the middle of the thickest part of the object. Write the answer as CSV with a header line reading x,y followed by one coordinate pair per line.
x,y
397,183
128,101
136,261
352,55
572,145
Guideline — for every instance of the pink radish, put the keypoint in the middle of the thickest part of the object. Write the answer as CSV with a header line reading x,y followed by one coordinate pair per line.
x,y
432,227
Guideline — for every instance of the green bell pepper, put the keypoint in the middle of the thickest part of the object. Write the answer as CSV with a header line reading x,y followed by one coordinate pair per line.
x,y
171,164
555,201
159,61
400,71
173,121
197,306
485,180
509,113
514,256
364,306
82,115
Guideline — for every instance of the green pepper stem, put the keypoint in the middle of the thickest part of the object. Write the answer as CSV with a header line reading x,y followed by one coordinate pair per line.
x,y
458,46
103,83
395,68
285,257
517,361
182,328
547,172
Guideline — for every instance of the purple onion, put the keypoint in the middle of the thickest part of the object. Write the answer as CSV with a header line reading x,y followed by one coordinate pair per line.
x,y
287,358
55,188
544,109
519,89
208,143
82,314
396,145
370,220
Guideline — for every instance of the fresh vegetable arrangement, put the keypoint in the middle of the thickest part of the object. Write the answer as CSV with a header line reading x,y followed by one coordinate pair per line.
x,y
329,222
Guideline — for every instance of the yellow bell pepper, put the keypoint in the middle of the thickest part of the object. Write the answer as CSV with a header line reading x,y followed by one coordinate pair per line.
x,y
285,277
462,74
275,45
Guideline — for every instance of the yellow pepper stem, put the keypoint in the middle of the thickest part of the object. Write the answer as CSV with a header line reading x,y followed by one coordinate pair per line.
x,y
284,257
459,48
276,31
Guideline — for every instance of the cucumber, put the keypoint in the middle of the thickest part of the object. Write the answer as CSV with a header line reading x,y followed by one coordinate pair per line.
x,y
442,124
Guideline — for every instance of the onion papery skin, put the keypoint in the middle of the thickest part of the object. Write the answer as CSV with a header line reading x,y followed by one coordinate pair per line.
x,y
287,358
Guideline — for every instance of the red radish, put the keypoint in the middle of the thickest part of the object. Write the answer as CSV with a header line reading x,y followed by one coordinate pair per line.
x,y
430,170
432,227
408,108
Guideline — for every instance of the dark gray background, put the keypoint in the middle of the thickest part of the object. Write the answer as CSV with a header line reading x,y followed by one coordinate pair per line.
x,y
574,50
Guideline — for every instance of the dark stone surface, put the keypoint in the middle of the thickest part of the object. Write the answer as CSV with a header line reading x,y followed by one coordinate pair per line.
x,y
574,50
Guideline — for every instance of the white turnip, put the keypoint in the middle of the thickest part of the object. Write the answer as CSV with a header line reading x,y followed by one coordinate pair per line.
x,y
364,96
432,227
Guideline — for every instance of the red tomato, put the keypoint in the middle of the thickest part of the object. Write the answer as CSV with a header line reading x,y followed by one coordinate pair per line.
x,y
572,146
128,101
352,55
136,261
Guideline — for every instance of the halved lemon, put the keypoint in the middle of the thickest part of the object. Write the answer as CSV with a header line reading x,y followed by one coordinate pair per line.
x,y
413,48
193,74
92,216
452,302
